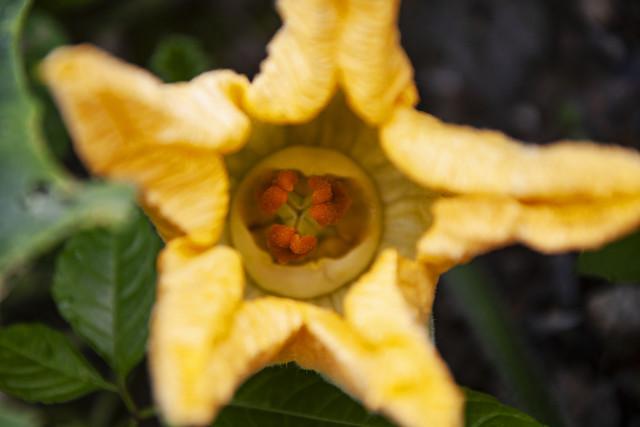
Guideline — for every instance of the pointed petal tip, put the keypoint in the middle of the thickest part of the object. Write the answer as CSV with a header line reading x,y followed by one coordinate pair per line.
x,y
299,75
415,387
468,226
375,71
199,293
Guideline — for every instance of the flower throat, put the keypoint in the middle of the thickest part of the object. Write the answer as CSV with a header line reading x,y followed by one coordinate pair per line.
x,y
307,220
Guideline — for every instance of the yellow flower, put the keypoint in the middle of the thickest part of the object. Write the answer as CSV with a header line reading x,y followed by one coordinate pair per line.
x,y
299,178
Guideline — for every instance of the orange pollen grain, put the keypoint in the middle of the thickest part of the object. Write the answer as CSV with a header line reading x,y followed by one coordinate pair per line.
x,y
280,235
302,245
324,214
329,200
329,203
321,190
272,198
286,180
277,193
285,244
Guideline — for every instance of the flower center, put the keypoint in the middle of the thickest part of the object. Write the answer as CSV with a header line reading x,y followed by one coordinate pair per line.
x,y
305,209
307,220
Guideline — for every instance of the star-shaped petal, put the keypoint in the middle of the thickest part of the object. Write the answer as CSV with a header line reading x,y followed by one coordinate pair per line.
x,y
167,139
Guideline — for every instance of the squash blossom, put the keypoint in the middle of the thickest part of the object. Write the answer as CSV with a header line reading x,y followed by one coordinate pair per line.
x,y
308,213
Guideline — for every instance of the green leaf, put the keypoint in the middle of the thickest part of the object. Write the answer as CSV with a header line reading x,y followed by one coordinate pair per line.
x,y
619,261
289,396
13,417
104,287
39,205
179,58
41,34
483,410
40,364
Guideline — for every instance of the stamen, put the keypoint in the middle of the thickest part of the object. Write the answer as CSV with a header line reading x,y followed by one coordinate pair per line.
x,y
329,200
302,245
280,235
286,180
272,198
277,193
321,190
305,213
285,244
324,214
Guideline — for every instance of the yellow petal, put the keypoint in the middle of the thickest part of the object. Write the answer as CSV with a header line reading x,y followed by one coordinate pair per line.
x,y
299,75
408,380
467,226
183,191
198,295
374,69
381,353
465,160
417,285
164,138
108,102
386,285
198,377
260,329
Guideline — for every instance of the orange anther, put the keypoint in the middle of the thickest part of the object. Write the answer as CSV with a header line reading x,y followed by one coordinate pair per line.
x,y
286,180
324,213
285,244
321,190
302,245
272,198
280,235
329,200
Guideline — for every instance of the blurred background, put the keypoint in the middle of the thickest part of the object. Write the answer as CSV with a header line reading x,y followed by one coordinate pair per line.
x,y
519,325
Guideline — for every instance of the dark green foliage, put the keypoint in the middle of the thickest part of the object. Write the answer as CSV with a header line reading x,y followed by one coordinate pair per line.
x,y
616,262
39,364
179,58
483,410
287,396
40,205
104,287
